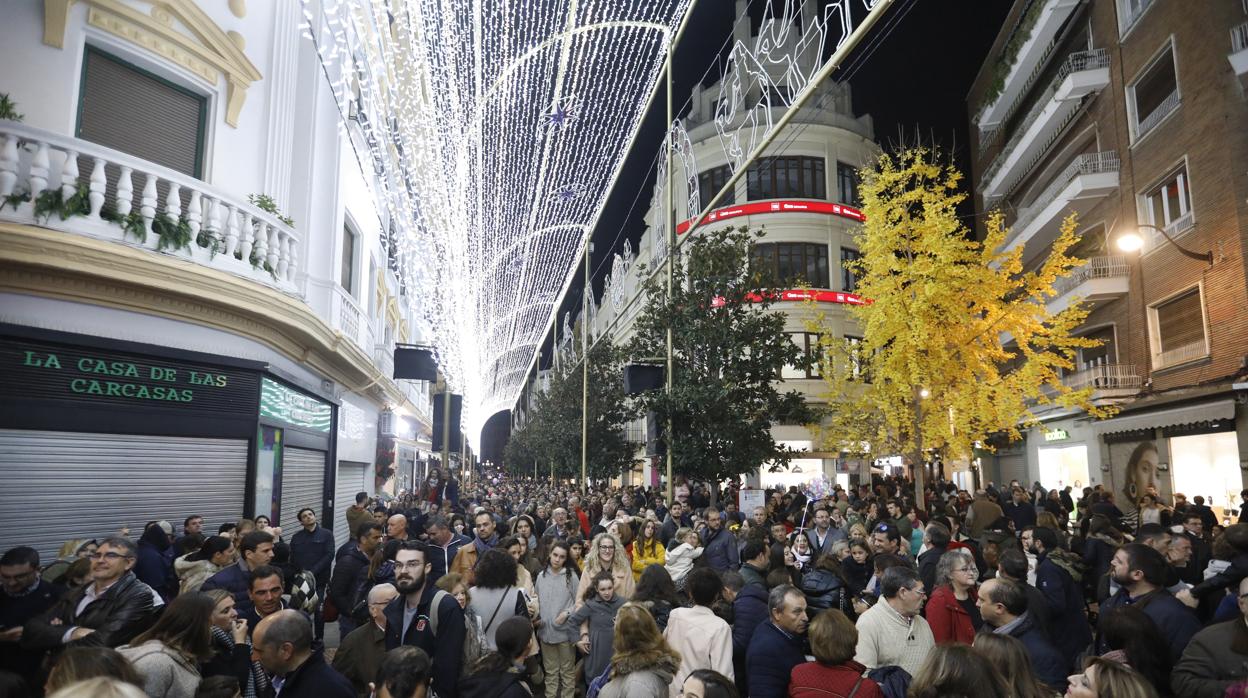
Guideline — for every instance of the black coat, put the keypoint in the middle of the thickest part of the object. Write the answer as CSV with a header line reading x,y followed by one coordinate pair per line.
x,y
15,611
126,609
1049,664
346,571
313,552
445,649
824,589
927,566
507,684
316,679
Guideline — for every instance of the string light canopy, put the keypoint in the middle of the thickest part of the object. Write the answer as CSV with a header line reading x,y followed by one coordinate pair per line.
x,y
496,129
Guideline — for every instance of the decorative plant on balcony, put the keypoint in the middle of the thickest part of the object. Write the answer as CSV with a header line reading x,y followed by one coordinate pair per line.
x,y
53,200
1009,55
172,234
8,108
265,203
15,199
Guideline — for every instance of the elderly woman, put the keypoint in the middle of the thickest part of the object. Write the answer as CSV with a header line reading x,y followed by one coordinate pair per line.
x,y
951,609
833,640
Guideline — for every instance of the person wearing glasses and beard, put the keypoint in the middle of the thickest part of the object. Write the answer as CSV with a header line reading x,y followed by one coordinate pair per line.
x,y
426,617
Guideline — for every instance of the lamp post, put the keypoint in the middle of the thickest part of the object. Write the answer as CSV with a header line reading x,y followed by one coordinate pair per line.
x,y
1132,241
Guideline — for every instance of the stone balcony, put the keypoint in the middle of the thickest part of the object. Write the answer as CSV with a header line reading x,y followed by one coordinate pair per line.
x,y
1098,280
78,187
1108,381
1085,181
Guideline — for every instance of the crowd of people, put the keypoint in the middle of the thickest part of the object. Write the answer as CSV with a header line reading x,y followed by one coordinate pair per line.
x,y
514,588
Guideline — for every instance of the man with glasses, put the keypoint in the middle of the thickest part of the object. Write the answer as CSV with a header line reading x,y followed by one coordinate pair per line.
x,y
413,618
1216,658
361,653
107,612
24,594
892,632
465,564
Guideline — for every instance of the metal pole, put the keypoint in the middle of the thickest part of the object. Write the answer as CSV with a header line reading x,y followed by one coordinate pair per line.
x,y
585,370
670,217
446,426
918,448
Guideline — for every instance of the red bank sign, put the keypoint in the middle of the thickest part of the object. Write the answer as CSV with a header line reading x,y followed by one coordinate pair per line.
x,y
797,295
782,206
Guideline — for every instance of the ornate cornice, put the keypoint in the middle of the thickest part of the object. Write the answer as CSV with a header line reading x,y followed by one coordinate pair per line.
x,y
53,264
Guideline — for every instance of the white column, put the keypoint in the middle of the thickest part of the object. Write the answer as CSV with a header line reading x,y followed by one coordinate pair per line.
x,y
98,184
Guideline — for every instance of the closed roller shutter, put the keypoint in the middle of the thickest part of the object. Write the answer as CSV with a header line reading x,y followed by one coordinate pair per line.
x,y
303,483
351,477
59,486
1011,466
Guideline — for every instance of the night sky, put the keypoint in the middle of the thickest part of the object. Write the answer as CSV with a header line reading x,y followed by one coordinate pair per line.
x,y
911,74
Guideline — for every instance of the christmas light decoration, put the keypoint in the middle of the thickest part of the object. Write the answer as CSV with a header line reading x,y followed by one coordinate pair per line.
x,y
496,129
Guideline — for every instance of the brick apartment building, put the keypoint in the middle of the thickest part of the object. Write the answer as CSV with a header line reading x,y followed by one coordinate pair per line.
x,y
1133,114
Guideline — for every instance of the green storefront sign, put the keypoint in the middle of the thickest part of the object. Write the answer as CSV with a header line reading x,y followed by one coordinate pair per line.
x,y
283,404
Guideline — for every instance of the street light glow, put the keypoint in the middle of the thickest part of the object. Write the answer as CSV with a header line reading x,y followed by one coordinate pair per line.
x,y
1130,242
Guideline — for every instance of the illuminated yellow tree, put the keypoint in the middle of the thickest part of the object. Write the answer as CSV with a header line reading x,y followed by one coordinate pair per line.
x,y
931,370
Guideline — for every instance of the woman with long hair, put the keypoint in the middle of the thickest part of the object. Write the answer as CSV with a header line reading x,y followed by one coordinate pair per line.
x,y
231,649
648,549
951,607
524,529
194,569
556,593
500,673
496,596
1105,678
81,663
642,663
517,548
825,585
167,656
1009,655
957,671
1135,640
657,593
606,553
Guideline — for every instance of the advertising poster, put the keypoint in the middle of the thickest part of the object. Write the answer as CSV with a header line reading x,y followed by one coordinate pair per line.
x,y
1133,470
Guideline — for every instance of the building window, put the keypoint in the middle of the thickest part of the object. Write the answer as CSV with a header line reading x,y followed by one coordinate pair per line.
x,y
808,343
796,177
1153,95
1106,353
711,181
346,274
847,184
138,113
1177,329
849,279
792,263
1169,205
1129,12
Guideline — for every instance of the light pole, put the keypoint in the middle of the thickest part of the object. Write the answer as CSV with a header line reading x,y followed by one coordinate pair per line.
x,y
1132,241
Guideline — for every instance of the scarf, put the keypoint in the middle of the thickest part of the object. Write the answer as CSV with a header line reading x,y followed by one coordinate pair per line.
x,y
484,545
801,559
257,679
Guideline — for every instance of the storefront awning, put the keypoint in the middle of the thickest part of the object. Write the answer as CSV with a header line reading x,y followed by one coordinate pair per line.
x,y
1175,416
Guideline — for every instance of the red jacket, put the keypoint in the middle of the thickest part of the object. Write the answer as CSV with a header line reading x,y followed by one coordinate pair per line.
x,y
583,518
815,680
949,621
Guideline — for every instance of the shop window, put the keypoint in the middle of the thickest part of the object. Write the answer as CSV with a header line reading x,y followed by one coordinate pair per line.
x,y
847,184
1208,465
346,274
793,177
849,278
1154,95
1169,205
131,110
792,263
709,184
1064,465
1177,329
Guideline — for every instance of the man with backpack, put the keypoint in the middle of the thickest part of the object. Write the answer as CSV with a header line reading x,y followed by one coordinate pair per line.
x,y
426,617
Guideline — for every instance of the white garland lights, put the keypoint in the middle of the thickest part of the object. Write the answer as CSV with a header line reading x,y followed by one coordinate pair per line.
x,y
496,129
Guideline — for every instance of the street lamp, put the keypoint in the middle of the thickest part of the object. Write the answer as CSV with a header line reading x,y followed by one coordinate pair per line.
x,y
1133,240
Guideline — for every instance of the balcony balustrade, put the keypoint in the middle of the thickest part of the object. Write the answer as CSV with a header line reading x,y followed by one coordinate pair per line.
x,y
1029,59
1088,178
75,186
1105,379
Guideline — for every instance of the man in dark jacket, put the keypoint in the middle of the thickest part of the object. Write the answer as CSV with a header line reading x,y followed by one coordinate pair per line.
x,y
937,538
24,595
676,519
255,550
719,546
754,569
749,610
312,549
1063,607
1216,658
152,565
444,545
1013,565
1140,572
1003,606
108,612
1020,511
778,645
282,643
352,557
411,619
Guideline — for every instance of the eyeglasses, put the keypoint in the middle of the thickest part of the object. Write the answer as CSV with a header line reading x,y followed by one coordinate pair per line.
x,y
920,592
109,556
606,547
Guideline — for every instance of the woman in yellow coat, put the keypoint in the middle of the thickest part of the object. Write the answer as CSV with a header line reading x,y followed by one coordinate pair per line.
x,y
648,549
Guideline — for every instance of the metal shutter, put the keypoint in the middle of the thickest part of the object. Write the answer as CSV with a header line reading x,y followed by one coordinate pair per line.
x,y
303,484
1011,466
59,486
141,115
351,480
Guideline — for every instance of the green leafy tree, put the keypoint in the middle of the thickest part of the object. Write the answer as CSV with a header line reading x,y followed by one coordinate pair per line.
x,y
940,377
552,436
729,348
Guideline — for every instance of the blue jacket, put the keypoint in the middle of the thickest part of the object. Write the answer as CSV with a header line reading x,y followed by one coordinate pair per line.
x,y
316,679
749,610
1050,666
154,570
313,552
1063,608
235,580
720,550
1022,515
1176,622
770,661
445,649
440,560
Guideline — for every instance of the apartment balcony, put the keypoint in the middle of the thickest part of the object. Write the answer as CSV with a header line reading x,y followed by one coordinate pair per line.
x,y
1100,279
1082,74
81,188
1029,60
1239,53
1086,180
1108,381
347,317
